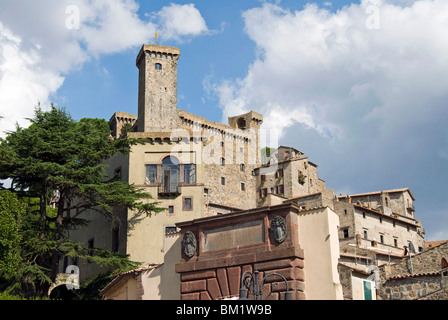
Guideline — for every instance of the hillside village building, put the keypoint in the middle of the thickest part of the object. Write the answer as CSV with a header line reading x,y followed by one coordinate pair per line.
x,y
222,205
375,227
379,226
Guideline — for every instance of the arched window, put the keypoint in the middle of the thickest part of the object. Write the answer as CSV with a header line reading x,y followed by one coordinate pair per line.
x,y
170,174
158,66
241,123
444,263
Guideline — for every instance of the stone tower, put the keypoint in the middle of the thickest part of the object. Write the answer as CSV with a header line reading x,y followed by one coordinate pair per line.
x,y
157,89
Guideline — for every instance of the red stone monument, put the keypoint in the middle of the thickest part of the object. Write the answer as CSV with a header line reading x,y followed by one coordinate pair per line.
x,y
217,251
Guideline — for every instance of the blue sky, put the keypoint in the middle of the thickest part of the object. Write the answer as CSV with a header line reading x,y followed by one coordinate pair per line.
x,y
359,86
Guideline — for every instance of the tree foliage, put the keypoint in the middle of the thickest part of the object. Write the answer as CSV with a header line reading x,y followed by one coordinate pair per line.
x,y
11,212
57,165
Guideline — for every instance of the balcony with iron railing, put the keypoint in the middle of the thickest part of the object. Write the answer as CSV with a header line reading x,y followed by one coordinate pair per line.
x,y
172,189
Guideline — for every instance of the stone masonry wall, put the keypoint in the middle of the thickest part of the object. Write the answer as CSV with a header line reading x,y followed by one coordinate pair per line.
x,y
429,260
157,96
216,283
228,156
413,288
427,281
299,179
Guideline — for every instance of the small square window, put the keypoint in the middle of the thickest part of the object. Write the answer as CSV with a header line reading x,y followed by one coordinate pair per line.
x,y
188,204
158,66
243,186
90,243
170,229
279,173
345,233
115,238
171,209
263,193
223,181
281,189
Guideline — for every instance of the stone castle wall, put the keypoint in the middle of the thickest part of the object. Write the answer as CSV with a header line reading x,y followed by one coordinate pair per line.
x,y
228,156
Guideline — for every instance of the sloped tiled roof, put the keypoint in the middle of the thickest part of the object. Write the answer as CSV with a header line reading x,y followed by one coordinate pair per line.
x,y
128,273
378,192
415,275
432,244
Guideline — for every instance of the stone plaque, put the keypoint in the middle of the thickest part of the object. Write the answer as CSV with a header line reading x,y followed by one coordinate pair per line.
x,y
278,229
189,244
243,234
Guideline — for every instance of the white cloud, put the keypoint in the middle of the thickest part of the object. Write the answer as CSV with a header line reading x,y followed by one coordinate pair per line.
x,y
109,26
368,105
41,42
180,21
23,82
336,70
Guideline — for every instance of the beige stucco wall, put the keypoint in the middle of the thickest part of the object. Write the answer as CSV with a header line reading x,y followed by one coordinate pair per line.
x,y
145,239
318,237
126,291
163,283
